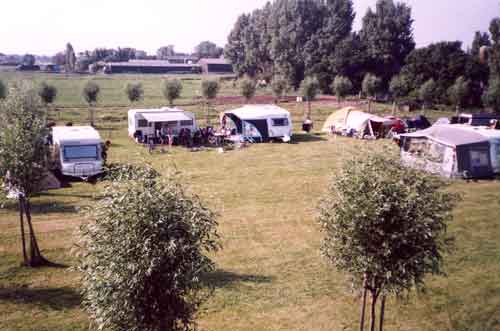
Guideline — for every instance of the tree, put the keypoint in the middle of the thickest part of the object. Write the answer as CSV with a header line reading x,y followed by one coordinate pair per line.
x,y
492,95
335,19
279,87
143,254
29,60
3,90
427,93
90,94
371,86
342,86
309,90
387,34
480,39
385,225
208,49
248,88
459,92
59,58
70,61
235,48
399,88
48,93
444,62
172,89
134,92
209,89
23,158
164,52
349,59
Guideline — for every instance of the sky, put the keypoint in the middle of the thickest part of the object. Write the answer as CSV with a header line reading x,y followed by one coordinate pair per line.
x,y
44,27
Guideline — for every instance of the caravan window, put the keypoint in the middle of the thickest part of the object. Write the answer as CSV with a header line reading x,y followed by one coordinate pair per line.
x,y
280,121
479,159
143,124
435,152
187,123
80,152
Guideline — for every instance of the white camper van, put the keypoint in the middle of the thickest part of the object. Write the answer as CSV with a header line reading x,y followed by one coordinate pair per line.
x,y
77,151
146,123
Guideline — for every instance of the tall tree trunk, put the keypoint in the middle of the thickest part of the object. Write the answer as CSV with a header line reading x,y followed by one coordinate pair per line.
x,y
373,310
457,110
23,237
382,314
207,105
369,105
394,105
308,109
363,308
35,259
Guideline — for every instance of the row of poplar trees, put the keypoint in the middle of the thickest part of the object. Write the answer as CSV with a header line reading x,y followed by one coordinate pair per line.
x,y
296,39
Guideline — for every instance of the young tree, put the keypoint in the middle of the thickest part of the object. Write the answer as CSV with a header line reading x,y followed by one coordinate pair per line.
x,y
90,94
491,97
385,226
47,92
134,92
398,87
70,59
309,89
459,92
427,93
142,255
3,90
342,86
279,87
371,86
209,89
23,157
29,60
248,88
172,89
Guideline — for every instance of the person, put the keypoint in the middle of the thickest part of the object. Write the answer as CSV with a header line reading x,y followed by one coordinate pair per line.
x,y
170,137
151,144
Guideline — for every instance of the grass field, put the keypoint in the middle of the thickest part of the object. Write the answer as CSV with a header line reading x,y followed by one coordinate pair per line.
x,y
270,273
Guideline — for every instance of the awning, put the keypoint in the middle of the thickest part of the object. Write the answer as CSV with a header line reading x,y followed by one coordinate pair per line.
x,y
166,117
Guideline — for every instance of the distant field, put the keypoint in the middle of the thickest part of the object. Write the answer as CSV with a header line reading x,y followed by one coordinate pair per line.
x,y
270,273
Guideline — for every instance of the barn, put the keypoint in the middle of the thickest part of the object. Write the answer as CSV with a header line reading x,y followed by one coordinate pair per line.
x,y
216,66
150,67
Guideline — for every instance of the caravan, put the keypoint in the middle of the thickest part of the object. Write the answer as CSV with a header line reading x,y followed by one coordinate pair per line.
x,y
259,122
453,150
77,151
147,123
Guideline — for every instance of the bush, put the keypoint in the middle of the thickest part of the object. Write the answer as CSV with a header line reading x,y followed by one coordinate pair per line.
x,y
142,255
210,88
341,86
427,93
279,86
491,97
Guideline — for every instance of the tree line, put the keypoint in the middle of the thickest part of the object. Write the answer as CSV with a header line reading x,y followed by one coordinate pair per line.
x,y
295,39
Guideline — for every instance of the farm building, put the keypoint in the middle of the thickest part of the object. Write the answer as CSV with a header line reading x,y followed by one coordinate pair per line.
x,y
216,66
150,67
453,150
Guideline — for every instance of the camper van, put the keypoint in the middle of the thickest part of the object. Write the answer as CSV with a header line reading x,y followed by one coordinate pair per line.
x,y
260,123
146,123
77,151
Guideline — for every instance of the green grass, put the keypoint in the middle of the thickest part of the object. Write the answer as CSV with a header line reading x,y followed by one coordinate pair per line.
x,y
270,275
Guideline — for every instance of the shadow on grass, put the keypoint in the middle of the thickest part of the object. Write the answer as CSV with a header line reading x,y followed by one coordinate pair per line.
x,y
45,298
221,278
306,138
38,208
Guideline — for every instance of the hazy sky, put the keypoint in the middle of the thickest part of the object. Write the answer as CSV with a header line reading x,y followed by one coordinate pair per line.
x,y
44,27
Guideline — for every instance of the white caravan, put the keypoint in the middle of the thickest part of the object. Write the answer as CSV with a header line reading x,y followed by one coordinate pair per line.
x,y
143,123
77,151
260,122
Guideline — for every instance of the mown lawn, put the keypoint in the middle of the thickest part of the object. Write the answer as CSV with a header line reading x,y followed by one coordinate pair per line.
x,y
270,275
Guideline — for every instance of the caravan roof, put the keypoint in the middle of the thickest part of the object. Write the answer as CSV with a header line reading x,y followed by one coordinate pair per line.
x,y
166,116
455,135
75,133
252,112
